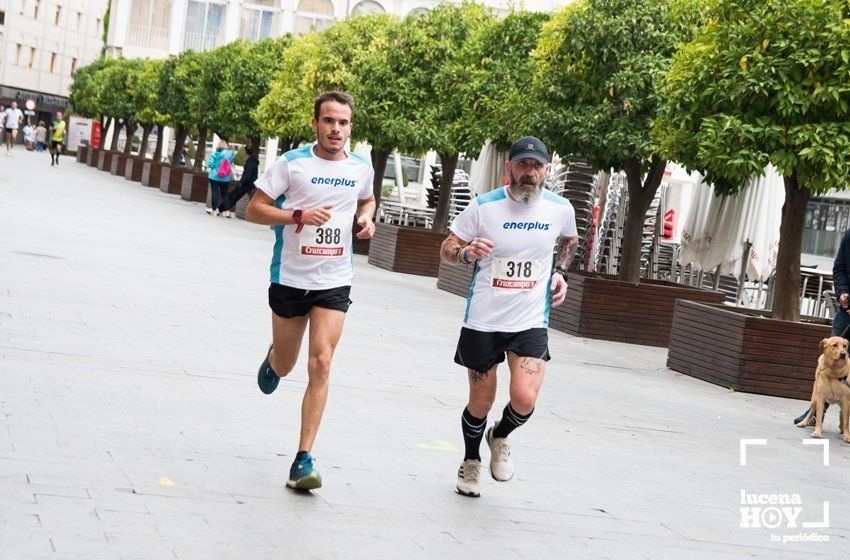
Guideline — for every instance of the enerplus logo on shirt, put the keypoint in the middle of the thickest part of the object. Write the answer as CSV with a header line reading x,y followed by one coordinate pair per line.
x,y
527,226
334,181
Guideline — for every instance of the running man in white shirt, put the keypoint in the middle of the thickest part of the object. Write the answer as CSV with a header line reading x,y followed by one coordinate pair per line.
x,y
311,195
12,119
509,235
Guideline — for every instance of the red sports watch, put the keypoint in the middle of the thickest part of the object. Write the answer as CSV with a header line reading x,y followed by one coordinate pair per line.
x,y
297,215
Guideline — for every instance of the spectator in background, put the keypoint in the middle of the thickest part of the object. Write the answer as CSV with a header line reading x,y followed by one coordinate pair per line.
x,y
29,136
40,137
183,155
220,171
246,183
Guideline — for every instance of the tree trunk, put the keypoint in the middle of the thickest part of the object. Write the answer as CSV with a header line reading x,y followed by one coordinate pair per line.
x,y
179,142
201,152
786,291
105,124
255,145
441,216
160,131
640,199
113,147
146,135
379,164
129,134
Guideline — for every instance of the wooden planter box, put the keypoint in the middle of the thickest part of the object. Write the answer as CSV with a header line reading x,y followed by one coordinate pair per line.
x,y
743,350
171,179
151,173
455,278
92,157
194,186
409,250
119,164
133,169
104,160
608,309
82,152
242,205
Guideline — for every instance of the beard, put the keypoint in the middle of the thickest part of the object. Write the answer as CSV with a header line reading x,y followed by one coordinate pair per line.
x,y
521,191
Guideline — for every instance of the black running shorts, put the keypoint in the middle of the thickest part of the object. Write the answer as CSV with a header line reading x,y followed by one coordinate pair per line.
x,y
288,302
479,351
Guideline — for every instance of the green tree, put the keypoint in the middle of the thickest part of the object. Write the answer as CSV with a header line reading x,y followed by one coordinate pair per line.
x,y
118,98
251,68
503,75
376,77
203,75
305,71
145,90
86,92
599,66
766,82
174,97
441,100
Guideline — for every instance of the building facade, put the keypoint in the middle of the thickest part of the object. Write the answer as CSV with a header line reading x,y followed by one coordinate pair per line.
x,y
42,43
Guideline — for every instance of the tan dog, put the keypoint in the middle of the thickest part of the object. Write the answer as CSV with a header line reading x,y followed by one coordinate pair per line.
x,y
831,385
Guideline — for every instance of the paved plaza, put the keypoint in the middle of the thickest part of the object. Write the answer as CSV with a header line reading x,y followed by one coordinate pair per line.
x,y
131,426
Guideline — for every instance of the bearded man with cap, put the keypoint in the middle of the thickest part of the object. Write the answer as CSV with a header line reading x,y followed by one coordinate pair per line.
x,y
508,235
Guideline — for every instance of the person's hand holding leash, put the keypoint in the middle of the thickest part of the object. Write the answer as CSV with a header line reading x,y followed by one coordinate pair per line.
x,y
479,248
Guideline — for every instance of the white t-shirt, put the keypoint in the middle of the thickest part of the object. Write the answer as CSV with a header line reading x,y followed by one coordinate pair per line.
x,y
12,117
510,288
316,258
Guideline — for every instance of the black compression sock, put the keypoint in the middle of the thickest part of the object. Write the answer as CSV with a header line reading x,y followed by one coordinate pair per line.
x,y
511,420
473,431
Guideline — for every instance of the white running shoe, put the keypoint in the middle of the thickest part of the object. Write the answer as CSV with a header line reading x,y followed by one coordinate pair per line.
x,y
468,476
228,214
208,210
501,466
216,212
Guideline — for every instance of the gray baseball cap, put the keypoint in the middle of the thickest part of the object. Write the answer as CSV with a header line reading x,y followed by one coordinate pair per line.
x,y
529,147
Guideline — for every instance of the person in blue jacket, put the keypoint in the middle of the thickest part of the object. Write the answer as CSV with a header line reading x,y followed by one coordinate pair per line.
x,y
841,286
219,174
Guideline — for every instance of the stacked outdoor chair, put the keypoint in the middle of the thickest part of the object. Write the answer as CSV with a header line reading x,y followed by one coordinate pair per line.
x,y
611,225
575,181
461,194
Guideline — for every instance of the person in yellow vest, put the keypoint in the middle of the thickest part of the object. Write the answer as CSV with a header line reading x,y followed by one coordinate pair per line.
x,y
57,138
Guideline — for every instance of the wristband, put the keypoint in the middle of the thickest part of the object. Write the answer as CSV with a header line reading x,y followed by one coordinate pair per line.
x,y
461,254
560,270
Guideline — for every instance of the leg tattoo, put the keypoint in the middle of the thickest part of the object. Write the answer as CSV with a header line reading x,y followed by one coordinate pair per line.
x,y
477,376
530,366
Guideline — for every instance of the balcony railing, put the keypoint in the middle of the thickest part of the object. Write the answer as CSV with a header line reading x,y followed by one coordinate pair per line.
x,y
148,37
199,41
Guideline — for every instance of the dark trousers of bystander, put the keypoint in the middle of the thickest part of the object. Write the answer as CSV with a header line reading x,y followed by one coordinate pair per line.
x,y
218,195
234,197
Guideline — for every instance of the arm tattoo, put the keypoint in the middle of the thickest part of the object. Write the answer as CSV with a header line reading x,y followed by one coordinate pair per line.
x,y
477,376
562,251
450,250
530,366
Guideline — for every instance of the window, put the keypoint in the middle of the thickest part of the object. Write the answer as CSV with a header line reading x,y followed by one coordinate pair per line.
x,y
367,7
32,57
824,225
18,54
58,13
314,15
259,19
2,17
35,11
204,25
53,63
73,66
149,23
417,12
79,17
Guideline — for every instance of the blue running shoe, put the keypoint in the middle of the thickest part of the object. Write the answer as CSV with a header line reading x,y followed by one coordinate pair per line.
x,y
267,379
799,420
302,475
